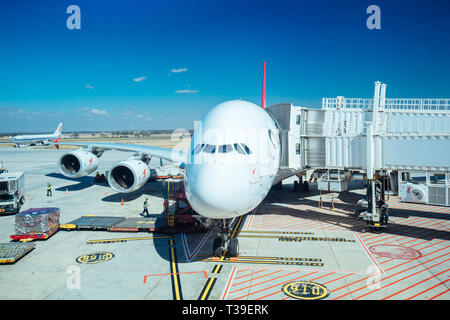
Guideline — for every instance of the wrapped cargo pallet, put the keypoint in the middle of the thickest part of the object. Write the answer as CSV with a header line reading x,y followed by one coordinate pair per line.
x,y
37,220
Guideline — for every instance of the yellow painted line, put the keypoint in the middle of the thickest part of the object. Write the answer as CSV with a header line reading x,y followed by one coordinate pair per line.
x,y
276,232
207,288
174,271
128,239
217,268
258,236
237,226
241,258
297,263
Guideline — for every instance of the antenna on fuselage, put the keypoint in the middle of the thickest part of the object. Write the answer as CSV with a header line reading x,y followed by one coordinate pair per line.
x,y
263,100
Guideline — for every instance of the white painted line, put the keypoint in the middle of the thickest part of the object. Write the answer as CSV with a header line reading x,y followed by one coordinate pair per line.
x,y
368,253
228,284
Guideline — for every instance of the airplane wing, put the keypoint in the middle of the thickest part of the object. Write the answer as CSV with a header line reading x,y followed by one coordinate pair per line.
x,y
173,155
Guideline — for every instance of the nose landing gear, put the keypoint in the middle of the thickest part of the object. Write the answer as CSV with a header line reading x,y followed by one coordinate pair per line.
x,y
224,244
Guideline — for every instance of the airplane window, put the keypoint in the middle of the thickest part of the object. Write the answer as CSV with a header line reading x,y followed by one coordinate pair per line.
x,y
247,149
210,148
239,148
225,148
198,148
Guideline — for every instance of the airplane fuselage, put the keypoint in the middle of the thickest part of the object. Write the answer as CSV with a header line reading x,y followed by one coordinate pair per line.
x,y
37,138
33,138
233,161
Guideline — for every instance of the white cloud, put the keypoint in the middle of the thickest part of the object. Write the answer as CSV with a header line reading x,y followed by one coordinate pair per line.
x,y
139,79
186,91
179,70
89,86
98,112
93,111
130,114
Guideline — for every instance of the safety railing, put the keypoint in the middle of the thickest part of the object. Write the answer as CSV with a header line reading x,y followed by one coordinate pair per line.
x,y
389,104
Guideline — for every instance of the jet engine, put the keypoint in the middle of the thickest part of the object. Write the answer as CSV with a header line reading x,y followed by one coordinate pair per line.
x,y
78,163
128,175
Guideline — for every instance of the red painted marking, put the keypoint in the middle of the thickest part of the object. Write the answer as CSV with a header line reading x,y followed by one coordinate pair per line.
x,y
279,291
347,285
263,99
347,275
390,284
243,270
440,294
246,275
411,286
276,285
433,244
322,276
418,294
230,279
256,284
368,253
394,251
265,275
391,274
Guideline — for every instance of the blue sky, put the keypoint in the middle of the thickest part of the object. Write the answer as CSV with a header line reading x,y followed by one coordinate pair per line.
x,y
163,64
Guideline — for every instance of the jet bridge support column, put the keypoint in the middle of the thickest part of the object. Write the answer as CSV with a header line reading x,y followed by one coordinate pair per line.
x,y
376,215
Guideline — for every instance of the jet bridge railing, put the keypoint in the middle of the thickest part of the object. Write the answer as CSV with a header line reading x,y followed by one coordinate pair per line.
x,y
389,104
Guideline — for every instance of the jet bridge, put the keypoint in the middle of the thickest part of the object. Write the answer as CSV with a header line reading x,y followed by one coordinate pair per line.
x,y
359,138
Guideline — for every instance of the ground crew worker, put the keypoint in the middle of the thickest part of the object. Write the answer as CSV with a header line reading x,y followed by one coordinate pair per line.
x,y
145,208
49,189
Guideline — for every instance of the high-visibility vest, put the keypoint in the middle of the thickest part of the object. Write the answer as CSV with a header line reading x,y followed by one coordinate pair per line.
x,y
145,204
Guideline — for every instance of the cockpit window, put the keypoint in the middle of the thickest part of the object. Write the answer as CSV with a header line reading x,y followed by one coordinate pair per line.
x,y
198,148
242,148
210,148
225,148
247,149
238,148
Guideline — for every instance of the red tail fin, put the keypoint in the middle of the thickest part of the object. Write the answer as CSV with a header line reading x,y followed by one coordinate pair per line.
x,y
263,100
56,141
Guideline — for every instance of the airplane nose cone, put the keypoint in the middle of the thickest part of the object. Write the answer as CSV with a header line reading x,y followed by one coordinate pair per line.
x,y
219,192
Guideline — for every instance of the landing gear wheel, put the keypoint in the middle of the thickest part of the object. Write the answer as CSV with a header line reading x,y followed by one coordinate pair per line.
x,y
233,248
217,247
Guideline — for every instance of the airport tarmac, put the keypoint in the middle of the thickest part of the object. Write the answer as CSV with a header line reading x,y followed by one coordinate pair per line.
x,y
290,248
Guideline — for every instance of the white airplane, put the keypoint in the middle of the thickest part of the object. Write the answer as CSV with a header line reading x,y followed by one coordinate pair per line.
x,y
232,162
38,138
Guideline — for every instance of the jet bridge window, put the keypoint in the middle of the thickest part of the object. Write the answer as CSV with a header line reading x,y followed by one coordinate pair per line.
x,y
226,148
209,148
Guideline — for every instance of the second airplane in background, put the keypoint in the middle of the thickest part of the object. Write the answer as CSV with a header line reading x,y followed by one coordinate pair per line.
x,y
35,139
